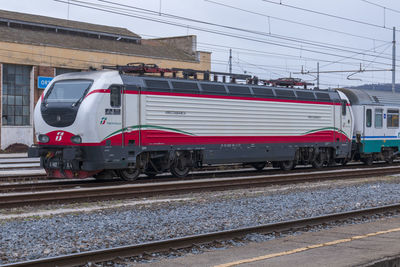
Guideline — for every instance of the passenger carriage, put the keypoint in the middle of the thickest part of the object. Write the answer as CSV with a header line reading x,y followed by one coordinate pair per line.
x,y
376,128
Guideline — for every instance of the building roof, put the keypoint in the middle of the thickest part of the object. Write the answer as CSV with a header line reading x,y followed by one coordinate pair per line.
x,y
63,23
24,36
46,31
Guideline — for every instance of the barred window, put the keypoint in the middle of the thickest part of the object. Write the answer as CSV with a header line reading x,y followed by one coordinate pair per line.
x,y
16,94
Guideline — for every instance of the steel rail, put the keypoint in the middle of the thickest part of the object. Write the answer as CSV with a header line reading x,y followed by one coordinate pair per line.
x,y
180,187
232,170
44,175
229,171
189,241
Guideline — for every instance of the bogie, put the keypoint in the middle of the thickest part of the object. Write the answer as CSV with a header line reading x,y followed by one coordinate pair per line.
x,y
287,165
259,166
129,174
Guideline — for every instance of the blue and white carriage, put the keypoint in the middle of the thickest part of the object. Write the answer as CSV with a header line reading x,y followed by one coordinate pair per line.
x,y
376,124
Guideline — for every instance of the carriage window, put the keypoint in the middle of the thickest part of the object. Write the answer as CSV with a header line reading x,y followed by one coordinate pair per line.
x,y
368,121
393,118
378,118
115,96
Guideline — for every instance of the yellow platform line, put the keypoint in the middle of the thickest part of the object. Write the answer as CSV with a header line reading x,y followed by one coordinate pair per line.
x,y
297,250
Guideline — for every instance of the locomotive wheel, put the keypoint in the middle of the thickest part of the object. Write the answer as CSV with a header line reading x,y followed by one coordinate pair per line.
x,y
318,162
286,165
259,166
130,174
179,168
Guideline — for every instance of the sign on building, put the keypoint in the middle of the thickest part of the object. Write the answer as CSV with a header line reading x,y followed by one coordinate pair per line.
x,y
43,81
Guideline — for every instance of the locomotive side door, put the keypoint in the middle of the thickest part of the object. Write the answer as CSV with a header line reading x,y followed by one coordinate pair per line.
x,y
113,115
131,116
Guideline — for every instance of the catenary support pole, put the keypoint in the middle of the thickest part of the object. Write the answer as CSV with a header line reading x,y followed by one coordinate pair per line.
x,y
394,60
317,75
230,61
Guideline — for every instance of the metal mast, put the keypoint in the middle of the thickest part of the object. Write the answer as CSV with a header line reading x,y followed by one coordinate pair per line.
x,y
317,75
230,61
394,61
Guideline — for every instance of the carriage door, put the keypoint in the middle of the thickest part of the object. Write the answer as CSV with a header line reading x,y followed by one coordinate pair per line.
x,y
131,116
346,119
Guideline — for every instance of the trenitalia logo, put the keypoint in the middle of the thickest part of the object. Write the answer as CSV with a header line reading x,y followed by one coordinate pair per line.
x,y
103,120
59,136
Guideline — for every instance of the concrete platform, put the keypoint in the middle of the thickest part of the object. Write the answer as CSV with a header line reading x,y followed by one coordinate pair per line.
x,y
13,155
22,172
351,245
19,160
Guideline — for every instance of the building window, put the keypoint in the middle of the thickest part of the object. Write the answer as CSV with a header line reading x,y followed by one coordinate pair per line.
x,y
393,118
369,118
378,118
16,94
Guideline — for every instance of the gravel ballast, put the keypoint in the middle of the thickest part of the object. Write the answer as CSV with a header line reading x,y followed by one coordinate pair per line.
x,y
37,237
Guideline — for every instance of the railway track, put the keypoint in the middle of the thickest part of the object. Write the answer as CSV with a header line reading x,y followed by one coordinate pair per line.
x,y
208,173
122,191
201,239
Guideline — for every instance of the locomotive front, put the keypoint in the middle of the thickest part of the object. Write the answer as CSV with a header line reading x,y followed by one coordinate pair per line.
x,y
65,125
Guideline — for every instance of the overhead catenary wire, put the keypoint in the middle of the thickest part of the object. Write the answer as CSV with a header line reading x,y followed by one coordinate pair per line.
x,y
287,38
249,38
352,56
313,43
248,51
243,37
328,15
295,22
381,6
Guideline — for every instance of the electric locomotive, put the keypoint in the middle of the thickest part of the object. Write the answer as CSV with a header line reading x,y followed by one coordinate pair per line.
x,y
124,121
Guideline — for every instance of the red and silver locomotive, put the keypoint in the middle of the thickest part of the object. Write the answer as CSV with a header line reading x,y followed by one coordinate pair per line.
x,y
126,122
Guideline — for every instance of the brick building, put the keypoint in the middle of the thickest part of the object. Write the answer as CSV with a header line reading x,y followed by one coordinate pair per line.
x,y
33,49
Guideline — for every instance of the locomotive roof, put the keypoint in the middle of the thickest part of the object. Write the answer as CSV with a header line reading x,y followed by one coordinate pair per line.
x,y
179,85
92,75
190,86
371,97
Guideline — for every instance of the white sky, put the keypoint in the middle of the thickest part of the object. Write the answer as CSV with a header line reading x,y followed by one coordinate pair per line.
x,y
264,55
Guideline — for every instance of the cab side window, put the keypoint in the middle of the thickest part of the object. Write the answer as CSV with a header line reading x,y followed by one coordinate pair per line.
x,y
378,118
368,121
393,118
344,107
115,96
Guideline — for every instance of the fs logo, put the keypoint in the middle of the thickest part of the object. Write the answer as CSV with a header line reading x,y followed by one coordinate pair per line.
x,y
59,136
103,120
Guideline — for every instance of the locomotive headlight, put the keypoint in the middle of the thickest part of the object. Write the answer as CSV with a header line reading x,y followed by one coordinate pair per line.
x,y
43,138
76,139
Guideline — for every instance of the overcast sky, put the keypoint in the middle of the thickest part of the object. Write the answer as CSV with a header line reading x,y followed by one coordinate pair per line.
x,y
263,39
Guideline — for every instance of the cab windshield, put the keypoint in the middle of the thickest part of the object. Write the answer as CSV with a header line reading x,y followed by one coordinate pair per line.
x,y
68,91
